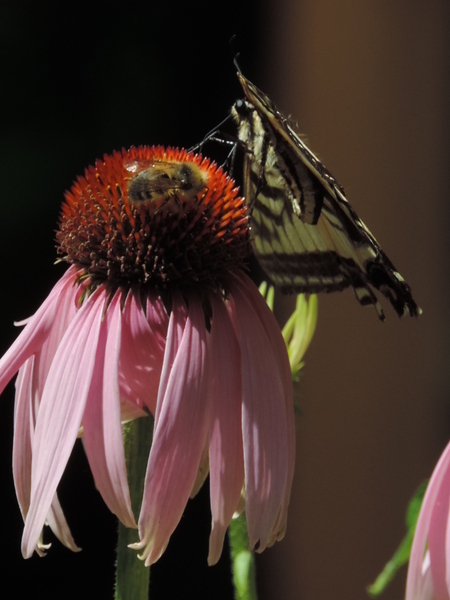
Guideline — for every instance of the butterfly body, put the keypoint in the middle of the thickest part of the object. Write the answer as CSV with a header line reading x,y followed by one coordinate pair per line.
x,y
305,234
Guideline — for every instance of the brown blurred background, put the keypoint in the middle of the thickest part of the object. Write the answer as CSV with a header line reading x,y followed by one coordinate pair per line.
x,y
368,82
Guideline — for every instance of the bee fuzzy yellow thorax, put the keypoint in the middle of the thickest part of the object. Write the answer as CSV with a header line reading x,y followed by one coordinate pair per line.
x,y
168,184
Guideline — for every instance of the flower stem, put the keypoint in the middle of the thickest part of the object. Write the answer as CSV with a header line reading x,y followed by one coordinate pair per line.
x,y
242,560
132,577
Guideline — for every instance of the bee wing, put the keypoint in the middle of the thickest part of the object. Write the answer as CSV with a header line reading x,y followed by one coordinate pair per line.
x,y
136,165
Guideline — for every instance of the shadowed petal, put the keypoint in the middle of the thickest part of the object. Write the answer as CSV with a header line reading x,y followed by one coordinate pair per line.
x,y
102,426
226,451
60,412
202,472
141,354
269,322
180,431
264,425
157,318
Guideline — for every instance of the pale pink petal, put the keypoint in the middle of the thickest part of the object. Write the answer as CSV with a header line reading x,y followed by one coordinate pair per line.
x,y
102,427
24,421
23,435
437,540
272,329
29,386
226,450
426,591
180,431
58,524
36,331
60,412
447,549
141,354
175,333
440,475
264,422
65,312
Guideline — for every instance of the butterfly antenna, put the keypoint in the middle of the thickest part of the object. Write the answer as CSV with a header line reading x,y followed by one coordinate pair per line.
x,y
210,135
236,64
236,54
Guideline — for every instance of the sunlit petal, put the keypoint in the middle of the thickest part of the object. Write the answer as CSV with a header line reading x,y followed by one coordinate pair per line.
x,y
264,423
62,406
35,332
182,416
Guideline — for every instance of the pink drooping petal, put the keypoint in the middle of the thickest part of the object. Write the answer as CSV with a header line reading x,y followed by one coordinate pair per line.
x,y
175,333
426,591
264,422
29,387
441,476
23,435
447,549
65,312
180,430
24,423
226,450
36,331
60,412
437,540
58,524
141,354
269,322
102,426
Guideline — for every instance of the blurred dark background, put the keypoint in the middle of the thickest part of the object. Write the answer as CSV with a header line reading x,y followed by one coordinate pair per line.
x,y
368,81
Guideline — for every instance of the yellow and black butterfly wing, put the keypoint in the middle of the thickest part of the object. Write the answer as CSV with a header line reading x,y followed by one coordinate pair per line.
x,y
299,257
294,158
305,234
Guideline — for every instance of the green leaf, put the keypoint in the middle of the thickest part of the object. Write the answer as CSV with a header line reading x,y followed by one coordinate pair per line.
x,y
401,555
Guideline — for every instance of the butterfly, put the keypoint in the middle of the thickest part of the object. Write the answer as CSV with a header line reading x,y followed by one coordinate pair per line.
x,y
305,234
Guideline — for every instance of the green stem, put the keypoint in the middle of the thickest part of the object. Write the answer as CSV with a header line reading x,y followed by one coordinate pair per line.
x,y
242,561
132,577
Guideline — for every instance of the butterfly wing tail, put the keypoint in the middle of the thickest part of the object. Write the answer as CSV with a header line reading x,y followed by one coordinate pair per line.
x,y
383,276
